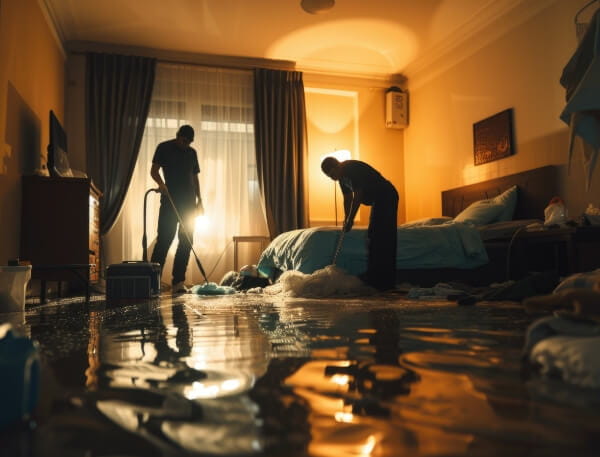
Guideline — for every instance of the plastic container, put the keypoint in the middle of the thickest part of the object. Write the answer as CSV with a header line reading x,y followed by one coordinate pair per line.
x,y
13,285
19,376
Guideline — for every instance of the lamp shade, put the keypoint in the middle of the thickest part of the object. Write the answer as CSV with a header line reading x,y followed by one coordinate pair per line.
x,y
340,154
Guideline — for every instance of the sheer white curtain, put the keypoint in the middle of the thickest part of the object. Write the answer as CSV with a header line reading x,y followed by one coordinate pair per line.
x,y
218,103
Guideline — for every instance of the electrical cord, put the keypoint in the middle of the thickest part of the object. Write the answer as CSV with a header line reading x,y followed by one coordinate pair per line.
x,y
510,245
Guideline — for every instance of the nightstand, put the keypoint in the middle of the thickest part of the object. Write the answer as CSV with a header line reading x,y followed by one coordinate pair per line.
x,y
586,248
548,249
566,250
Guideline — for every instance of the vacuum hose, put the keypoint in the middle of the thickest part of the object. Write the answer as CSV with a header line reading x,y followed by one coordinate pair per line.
x,y
144,239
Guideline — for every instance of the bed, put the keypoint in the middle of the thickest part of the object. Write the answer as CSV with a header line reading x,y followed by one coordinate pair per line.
x,y
469,242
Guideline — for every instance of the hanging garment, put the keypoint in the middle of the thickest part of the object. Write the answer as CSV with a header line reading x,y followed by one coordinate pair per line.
x,y
581,79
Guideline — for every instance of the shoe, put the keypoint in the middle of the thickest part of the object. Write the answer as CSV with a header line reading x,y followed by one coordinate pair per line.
x,y
179,288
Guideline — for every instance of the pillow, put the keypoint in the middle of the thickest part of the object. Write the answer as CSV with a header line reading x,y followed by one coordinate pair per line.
x,y
481,212
508,199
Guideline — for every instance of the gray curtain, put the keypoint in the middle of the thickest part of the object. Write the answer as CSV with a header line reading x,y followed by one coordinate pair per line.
x,y
119,89
281,152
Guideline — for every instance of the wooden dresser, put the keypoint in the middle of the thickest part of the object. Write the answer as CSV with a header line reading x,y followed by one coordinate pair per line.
x,y
60,228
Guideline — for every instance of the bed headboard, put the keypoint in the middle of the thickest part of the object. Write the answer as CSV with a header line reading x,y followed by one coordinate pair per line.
x,y
536,188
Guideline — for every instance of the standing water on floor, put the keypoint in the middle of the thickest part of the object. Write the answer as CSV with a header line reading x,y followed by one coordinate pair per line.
x,y
267,376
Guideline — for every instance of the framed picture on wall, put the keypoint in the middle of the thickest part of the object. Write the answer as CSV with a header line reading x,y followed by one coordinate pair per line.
x,y
493,137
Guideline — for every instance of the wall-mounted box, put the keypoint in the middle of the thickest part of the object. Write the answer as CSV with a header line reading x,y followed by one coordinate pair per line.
x,y
396,109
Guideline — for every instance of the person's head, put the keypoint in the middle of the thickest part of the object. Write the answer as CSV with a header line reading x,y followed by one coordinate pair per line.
x,y
185,135
331,167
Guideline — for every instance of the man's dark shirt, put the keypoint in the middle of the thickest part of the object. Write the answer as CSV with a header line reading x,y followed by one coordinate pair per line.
x,y
179,167
357,175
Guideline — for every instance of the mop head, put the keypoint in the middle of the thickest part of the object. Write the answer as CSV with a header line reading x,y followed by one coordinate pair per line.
x,y
212,288
330,281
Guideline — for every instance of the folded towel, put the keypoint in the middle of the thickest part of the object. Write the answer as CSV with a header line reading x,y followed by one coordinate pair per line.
x,y
566,349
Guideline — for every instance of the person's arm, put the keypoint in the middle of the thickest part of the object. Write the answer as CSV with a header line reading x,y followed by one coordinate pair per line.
x,y
356,198
199,205
155,174
347,203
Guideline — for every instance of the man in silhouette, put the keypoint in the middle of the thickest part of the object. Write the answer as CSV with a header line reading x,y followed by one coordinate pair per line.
x,y
362,184
179,164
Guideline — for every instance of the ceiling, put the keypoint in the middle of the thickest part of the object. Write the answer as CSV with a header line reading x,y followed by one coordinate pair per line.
x,y
368,38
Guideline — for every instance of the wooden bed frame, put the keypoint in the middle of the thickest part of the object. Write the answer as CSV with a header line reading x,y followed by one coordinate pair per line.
x,y
535,189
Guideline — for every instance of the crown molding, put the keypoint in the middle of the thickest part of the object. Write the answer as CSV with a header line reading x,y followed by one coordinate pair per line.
x,y
53,25
354,79
493,20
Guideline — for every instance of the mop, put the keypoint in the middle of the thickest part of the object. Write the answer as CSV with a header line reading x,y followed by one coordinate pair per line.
x,y
338,247
330,281
208,288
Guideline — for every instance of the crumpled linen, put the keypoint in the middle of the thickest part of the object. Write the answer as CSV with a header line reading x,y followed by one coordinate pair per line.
x,y
565,349
330,281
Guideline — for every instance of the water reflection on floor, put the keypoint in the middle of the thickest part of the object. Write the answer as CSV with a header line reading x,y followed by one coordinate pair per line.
x,y
252,375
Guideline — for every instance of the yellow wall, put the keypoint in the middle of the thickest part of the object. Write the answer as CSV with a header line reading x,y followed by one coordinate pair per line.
x,y
31,84
520,70
348,114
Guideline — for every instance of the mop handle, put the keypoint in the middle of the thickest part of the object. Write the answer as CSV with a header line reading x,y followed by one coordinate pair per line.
x,y
339,246
341,238
187,237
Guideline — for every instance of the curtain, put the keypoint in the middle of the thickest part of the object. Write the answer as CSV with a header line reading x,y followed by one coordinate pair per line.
x,y
218,103
581,79
118,96
281,152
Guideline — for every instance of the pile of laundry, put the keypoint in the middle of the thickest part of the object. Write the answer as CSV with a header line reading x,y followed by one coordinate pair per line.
x,y
538,283
563,344
563,341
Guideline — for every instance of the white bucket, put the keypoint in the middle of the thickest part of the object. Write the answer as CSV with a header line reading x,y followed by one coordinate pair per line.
x,y
13,285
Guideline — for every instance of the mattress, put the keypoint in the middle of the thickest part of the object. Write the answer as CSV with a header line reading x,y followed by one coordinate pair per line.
x,y
441,245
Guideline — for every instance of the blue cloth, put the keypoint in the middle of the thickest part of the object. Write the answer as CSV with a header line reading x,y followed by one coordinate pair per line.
x,y
212,288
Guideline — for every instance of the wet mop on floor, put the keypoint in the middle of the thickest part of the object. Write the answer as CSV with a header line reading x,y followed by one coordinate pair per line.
x,y
330,281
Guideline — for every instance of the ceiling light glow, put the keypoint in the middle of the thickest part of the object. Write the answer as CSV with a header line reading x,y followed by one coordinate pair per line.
x,y
317,6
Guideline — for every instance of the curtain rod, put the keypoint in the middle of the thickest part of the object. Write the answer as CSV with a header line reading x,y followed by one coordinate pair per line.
x,y
175,57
